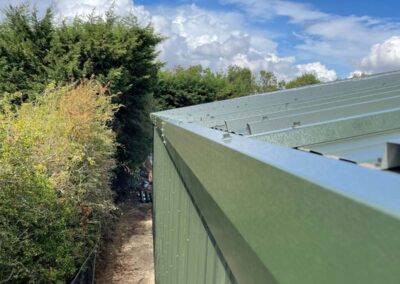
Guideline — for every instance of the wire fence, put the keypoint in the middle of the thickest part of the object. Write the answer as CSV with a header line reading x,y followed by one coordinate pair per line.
x,y
86,273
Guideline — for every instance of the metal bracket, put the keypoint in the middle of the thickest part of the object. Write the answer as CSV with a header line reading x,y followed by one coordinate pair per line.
x,y
391,158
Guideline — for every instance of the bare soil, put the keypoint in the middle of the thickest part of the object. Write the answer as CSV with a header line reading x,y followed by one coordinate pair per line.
x,y
128,257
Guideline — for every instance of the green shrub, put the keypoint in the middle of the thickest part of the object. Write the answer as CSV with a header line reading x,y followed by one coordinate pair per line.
x,y
56,157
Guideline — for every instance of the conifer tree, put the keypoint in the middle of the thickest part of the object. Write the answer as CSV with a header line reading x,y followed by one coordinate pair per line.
x,y
116,51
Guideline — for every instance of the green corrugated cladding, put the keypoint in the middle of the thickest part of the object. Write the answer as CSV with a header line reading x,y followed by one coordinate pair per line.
x,y
250,211
273,214
184,252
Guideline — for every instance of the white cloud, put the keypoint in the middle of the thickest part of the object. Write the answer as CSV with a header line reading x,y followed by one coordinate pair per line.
x,y
215,39
319,70
358,74
283,67
383,56
298,12
72,8
267,9
345,39
340,40
219,39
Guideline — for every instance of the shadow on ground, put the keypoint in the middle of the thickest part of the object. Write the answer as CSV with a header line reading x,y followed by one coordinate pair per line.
x,y
128,258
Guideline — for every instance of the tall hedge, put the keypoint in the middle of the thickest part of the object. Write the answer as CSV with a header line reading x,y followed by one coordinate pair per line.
x,y
56,160
116,51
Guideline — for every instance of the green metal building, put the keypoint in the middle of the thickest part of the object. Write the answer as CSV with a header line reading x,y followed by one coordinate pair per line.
x,y
294,186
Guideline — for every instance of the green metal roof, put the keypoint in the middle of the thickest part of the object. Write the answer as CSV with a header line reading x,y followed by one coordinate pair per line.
x,y
351,120
251,181
366,150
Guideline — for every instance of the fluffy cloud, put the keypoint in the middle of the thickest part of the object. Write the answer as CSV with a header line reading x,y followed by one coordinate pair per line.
x,y
283,67
358,74
383,56
220,39
319,70
215,39
340,40
72,8
345,39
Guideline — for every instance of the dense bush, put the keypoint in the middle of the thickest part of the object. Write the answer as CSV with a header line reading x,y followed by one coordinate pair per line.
x,y
120,52
35,52
56,158
303,80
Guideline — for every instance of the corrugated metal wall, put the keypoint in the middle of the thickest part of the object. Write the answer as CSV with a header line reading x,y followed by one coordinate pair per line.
x,y
184,253
275,215
229,208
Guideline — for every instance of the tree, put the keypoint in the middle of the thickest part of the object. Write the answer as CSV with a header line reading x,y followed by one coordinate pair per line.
x,y
194,85
116,51
303,80
119,52
268,82
25,41
240,82
184,87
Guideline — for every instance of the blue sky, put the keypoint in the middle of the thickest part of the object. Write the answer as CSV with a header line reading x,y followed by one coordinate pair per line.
x,y
385,9
329,38
331,35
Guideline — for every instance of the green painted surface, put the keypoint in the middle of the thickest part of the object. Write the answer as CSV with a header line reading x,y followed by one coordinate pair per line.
x,y
239,119
184,252
381,85
334,130
240,209
294,225
324,115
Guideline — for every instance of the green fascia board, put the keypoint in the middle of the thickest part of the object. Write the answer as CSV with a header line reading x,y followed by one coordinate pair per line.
x,y
303,218
184,252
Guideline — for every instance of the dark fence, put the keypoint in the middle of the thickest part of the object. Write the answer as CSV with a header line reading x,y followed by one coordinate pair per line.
x,y
86,273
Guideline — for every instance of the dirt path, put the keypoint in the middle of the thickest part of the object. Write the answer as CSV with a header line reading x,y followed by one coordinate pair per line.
x,y
129,256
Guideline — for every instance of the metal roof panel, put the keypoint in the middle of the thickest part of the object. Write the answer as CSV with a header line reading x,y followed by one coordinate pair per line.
x,y
350,119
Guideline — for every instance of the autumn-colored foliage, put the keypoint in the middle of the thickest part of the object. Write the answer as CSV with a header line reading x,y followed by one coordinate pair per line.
x,y
56,158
